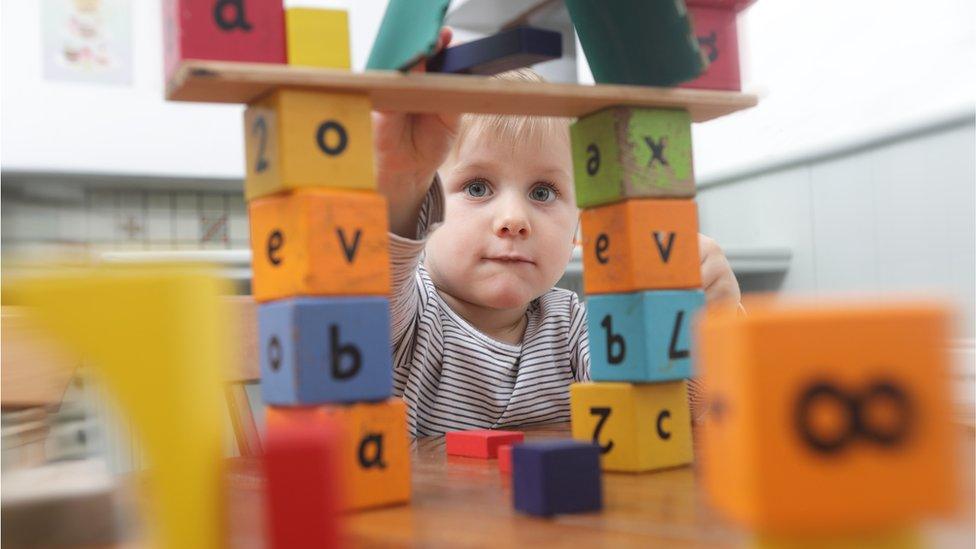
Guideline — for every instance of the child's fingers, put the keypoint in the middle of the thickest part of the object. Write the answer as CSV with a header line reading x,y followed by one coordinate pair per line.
x,y
443,40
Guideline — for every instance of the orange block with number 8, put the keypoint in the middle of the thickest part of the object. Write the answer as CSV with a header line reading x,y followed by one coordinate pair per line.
x,y
297,138
827,418
640,244
319,242
374,449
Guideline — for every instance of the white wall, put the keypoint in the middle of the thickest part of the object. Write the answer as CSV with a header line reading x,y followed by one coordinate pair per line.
x,y
60,126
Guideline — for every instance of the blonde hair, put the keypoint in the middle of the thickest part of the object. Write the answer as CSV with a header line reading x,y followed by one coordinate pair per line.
x,y
511,128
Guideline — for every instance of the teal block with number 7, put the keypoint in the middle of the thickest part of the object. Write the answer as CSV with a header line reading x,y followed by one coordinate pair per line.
x,y
641,336
625,152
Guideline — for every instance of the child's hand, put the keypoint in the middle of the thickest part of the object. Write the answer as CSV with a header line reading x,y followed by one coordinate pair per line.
x,y
409,148
716,273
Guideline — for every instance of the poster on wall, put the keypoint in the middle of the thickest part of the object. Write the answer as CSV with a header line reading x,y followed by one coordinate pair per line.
x,y
87,41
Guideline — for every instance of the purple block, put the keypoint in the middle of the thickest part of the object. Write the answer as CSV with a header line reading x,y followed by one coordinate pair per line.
x,y
556,476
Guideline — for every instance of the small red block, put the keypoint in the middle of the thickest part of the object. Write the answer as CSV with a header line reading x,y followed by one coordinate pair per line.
x,y
480,444
505,458
301,467
718,38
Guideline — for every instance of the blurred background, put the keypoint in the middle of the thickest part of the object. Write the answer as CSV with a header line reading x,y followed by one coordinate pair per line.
x,y
855,174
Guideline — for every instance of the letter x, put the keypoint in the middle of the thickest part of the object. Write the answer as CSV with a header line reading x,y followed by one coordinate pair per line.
x,y
657,150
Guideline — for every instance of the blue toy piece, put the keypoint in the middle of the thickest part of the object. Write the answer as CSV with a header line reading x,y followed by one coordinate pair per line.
x,y
556,476
325,350
505,51
642,336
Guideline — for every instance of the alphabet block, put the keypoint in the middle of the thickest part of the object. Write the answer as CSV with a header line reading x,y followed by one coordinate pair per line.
x,y
322,350
302,473
637,427
319,242
505,458
224,30
374,454
556,476
640,245
296,138
317,37
845,403
718,39
642,336
626,152
480,443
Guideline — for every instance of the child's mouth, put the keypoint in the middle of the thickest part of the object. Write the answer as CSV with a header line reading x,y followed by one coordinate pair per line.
x,y
511,259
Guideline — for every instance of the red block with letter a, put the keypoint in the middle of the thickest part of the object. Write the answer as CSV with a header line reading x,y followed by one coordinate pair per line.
x,y
480,444
301,467
719,42
223,30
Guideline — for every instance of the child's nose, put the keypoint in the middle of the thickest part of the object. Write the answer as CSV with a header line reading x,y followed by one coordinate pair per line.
x,y
512,221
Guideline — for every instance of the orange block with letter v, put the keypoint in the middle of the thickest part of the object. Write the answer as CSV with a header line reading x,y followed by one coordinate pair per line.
x,y
374,452
827,418
640,244
319,242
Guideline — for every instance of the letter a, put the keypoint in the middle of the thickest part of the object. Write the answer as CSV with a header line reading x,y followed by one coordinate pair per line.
x,y
238,22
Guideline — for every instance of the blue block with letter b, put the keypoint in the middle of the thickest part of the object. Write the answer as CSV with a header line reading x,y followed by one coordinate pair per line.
x,y
641,337
324,350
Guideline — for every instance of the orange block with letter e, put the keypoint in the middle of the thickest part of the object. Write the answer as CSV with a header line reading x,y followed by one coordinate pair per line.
x,y
374,456
296,138
319,242
640,244
827,417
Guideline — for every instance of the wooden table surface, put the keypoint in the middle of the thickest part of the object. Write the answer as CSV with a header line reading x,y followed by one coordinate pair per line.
x,y
465,502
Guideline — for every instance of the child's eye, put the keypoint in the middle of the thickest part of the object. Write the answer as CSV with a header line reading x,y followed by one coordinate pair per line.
x,y
476,189
544,192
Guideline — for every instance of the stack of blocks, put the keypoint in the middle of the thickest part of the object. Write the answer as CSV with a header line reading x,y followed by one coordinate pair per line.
x,y
634,179
321,271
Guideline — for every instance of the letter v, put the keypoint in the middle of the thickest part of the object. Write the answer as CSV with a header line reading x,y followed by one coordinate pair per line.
x,y
350,251
664,250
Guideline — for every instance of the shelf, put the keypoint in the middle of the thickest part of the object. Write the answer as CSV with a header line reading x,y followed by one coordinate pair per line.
x,y
228,82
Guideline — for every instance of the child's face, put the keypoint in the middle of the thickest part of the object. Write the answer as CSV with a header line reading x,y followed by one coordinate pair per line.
x,y
509,223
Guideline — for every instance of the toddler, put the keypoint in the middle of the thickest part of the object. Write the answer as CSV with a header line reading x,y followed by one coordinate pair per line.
x,y
483,220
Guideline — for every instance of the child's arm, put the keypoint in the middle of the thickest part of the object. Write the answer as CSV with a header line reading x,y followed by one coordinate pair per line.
x,y
409,149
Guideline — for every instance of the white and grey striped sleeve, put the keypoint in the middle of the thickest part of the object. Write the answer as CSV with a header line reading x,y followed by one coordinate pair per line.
x,y
406,300
579,341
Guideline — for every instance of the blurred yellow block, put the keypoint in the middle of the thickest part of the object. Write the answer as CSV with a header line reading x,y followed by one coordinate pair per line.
x,y
375,450
155,335
639,427
317,37
827,417
296,138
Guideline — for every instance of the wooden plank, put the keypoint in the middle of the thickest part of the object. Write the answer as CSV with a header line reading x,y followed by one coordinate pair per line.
x,y
228,82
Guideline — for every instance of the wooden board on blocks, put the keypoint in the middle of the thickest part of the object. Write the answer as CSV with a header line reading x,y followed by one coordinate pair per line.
x,y
227,82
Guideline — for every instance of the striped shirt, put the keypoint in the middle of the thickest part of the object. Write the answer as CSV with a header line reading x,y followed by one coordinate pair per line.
x,y
452,376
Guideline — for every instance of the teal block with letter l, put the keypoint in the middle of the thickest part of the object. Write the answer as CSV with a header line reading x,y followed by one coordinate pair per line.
x,y
641,336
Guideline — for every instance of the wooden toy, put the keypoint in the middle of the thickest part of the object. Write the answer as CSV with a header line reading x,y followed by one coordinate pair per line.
x,y
322,350
224,30
508,50
317,37
296,138
319,242
638,427
641,336
301,470
375,450
827,417
719,42
556,476
637,42
480,443
155,334
640,245
505,458
629,152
